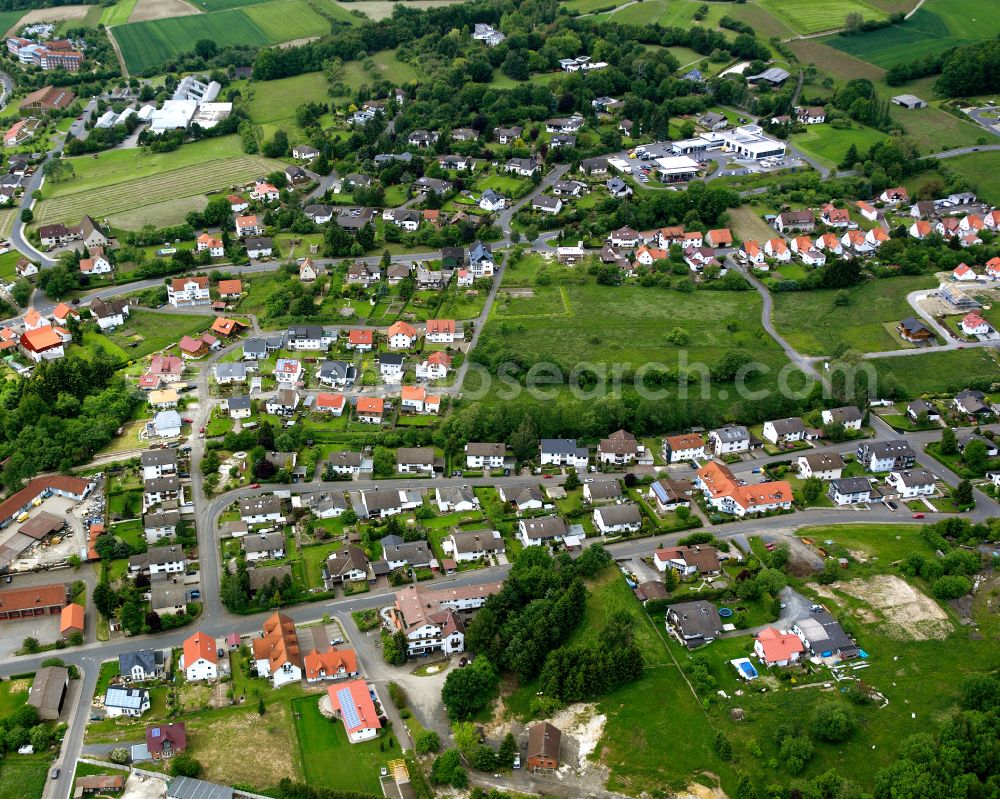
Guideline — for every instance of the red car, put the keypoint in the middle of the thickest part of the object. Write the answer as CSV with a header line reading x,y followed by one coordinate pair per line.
x,y
546,476
201,429
918,515
255,485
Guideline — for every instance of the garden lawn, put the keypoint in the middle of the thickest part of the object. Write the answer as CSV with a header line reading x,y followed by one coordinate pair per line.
x,y
273,102
24,776
556,326
330,760
151,331
13,695
814,325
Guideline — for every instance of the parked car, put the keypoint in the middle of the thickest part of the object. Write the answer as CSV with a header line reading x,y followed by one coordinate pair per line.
x,y
255,485
918,516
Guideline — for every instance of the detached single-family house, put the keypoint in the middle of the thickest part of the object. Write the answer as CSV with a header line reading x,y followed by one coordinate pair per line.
x,y
850,491
200,660
618,518
563,452
910,483
776,648
541,530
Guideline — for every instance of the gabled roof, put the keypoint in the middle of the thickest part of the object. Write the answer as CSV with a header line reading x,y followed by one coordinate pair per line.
x,y
200,646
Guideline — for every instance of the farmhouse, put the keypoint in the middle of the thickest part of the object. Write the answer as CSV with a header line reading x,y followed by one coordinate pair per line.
x,y
544,743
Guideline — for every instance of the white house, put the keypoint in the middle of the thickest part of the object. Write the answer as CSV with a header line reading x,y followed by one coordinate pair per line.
x,y
618,518
541,530
784,430
563,452
492,201
200,660
823,465
276,653
911,483
849,416
119,701
485,455
186,291
734,438
850,491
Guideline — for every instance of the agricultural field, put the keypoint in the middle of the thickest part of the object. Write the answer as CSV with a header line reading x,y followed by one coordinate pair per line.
x,y
814,325
148,44
222,5
124,180
380,9
10,21
639,13
117,14
590,6
937,26
814,16
830,144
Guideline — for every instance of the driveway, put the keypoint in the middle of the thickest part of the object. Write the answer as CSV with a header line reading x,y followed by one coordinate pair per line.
x,y
796,607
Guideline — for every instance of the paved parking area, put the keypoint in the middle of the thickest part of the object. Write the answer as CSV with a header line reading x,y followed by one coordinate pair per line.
x,y
48,553
13,633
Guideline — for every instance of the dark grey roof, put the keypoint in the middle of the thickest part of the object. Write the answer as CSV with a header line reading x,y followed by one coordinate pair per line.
x,y
562,446
381,500
890,449
417,455
156,485
126,698
160,457
915,477
698,619
604,489
239,403
349,558
190,788
850,485
337,370
167,518
544,527
252,506
269,542
412,552
732,433
149,659
848,413
391,359
784,427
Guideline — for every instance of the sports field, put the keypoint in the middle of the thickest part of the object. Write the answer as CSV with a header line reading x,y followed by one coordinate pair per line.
x,y
813,16
145,45
937,26
122,181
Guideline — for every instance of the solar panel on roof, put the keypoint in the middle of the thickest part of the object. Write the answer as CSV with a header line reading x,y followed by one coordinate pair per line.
x,y
155,732
347,708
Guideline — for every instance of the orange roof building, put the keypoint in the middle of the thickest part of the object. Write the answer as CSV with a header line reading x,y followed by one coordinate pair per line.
x,y
332,664
42,342
370,408
230,288
73,616
777,648
330,403
401,334
37,600
277,652
226,327
361,338
724,492
352,702
201,657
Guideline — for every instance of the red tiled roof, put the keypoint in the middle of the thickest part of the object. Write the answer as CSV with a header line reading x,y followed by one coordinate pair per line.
x,y
72,618
778,646
370,405
200,646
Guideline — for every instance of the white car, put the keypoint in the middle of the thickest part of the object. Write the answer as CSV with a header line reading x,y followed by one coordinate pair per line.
x,y
517,761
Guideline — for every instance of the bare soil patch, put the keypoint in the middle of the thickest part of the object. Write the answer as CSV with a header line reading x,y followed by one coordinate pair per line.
x,y
146,10
908,613
244,747
51,15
